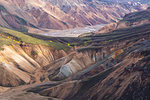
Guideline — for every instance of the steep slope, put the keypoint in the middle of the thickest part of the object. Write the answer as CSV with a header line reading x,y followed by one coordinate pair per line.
x,y
21,56
121,70
12,21
112,66
129,20
55,14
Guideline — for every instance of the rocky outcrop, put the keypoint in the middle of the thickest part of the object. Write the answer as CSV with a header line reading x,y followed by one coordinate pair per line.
x,y
73,64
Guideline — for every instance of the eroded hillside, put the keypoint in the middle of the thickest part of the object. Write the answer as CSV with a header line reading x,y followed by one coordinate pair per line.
x,y
120,70
21,56
129,20
25,15
112,66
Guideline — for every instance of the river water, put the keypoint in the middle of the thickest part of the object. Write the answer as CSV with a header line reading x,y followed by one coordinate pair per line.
x,y
75,32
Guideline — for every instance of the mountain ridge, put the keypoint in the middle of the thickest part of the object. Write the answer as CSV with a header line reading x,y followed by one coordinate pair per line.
x,y
70,14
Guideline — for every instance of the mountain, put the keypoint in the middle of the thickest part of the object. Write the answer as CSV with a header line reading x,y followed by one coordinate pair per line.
x,y
129,20
131,1
106,66
26,15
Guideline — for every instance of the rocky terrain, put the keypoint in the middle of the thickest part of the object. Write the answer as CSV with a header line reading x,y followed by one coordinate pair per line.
x,y
133,1
129,20
39,15
104,66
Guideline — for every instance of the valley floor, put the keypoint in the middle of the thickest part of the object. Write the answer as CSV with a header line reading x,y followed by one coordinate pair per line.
x,y
75,32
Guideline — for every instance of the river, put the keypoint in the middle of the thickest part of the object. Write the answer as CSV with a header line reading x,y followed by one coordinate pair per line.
x,y
75,32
